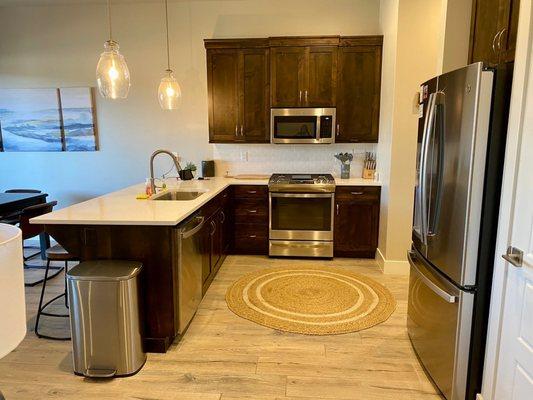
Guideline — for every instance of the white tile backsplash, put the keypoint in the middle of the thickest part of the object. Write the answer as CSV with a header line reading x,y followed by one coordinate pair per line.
x,y
235,159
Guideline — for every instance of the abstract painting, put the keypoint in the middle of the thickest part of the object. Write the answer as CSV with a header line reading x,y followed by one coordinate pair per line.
x,y
47,120
78,119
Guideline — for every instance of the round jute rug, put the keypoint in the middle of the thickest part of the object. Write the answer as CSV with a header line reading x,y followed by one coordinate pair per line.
x,y
311,300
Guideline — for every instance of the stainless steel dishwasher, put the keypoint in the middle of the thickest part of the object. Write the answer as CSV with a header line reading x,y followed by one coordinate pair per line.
x,y
189,269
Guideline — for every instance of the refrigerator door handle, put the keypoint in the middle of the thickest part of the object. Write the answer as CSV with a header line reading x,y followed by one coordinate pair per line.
x,y
440,110
422,187
437,290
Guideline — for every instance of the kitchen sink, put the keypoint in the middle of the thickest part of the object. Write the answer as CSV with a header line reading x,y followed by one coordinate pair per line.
x,y
179,195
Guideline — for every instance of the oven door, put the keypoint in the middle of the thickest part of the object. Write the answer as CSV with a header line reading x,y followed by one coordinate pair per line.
x,y
301,216
302,125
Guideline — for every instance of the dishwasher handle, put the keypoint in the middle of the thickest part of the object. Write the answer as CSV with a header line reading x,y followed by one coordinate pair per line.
x,y
200,221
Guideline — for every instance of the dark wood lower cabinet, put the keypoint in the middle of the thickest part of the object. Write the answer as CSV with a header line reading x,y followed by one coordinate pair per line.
x,y
250,216
356,221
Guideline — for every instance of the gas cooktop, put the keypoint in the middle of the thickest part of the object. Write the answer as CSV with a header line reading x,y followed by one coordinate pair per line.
x,y
302,183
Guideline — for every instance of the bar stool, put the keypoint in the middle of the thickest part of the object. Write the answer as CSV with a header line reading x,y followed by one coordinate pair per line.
x,y
32,230
54,253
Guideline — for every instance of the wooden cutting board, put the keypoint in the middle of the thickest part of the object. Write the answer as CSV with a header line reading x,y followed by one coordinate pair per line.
x,y
250,176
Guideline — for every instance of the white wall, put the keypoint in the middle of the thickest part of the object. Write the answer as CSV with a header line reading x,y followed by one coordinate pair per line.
x,y
58,46
414,41
455,34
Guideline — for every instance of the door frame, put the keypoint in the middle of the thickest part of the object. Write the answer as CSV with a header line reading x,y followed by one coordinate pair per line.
x,y
523,64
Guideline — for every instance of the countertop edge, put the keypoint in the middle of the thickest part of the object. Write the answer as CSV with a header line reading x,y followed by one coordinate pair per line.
x,y
43,220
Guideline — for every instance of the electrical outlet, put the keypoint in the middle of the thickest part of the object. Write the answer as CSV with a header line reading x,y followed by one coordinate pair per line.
x,y
244,155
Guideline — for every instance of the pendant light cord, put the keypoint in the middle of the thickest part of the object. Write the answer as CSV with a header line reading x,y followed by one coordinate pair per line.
x,y
109,20
168,46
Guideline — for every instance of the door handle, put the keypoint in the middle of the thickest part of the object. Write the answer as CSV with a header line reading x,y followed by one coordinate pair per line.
x,y
428,126
337,208
514,256
434,288
338,129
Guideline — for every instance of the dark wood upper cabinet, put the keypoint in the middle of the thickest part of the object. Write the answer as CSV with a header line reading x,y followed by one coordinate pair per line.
x,y
303,75
287,76
223,89
248,76
359,87
493,31
254,95
238,90
322,76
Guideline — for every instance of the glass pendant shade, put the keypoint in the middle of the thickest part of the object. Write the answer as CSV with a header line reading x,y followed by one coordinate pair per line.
x,y
169,92
112,74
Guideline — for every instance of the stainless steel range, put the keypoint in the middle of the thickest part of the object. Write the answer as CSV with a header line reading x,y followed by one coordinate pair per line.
x,y
301,215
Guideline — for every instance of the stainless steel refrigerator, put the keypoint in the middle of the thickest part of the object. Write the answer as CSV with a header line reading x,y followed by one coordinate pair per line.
x,y
461,141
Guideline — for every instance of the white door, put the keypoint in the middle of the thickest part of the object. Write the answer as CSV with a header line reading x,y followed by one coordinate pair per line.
x,y
514,377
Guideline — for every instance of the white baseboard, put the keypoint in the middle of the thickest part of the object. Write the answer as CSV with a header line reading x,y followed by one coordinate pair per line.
x,y
393,267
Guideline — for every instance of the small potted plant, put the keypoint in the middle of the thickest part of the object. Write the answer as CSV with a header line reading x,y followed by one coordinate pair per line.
x,y
345,159
187,173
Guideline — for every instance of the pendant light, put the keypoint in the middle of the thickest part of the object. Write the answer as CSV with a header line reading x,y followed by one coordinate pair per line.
x,y
112,74
169,91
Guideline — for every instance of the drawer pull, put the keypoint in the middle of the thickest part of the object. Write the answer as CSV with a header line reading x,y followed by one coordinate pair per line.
x,y
252,236
252,211
357,193
252,191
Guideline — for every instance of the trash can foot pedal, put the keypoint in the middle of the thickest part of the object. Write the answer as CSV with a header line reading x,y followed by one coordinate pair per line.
x,y
100,373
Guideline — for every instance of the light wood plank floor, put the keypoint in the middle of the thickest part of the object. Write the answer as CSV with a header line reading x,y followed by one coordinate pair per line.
x,y
224,357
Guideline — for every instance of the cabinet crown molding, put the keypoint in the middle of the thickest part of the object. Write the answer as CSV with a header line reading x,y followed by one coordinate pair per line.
x,y
294,41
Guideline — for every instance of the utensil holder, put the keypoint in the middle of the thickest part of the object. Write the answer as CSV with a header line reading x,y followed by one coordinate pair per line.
x,y
345,171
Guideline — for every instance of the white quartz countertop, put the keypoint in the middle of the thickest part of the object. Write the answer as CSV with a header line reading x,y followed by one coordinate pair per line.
x,y
123,208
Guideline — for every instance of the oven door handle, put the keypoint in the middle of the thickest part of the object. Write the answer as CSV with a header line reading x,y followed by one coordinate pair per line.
x,y
303,195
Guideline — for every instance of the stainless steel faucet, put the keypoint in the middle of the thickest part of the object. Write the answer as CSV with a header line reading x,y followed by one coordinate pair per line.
x,y
154,154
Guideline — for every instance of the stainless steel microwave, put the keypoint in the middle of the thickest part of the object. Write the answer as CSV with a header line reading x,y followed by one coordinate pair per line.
x,y
302,125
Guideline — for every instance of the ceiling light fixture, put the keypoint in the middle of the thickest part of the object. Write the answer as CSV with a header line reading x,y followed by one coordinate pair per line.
x,y
169,91
112,74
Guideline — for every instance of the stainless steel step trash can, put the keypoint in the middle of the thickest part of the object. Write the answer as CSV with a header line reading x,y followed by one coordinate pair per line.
x,y
104,318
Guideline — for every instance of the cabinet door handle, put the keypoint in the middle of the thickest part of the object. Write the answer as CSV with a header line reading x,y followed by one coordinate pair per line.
x,y
242,134
338,129
214,226
357,193
236,130
300,97
306,96
222,217
337,208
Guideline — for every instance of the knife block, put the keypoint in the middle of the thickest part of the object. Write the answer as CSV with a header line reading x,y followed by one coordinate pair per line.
x,y
368,173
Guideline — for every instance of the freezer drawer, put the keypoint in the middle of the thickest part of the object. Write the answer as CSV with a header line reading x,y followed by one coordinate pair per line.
x,y
439,323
